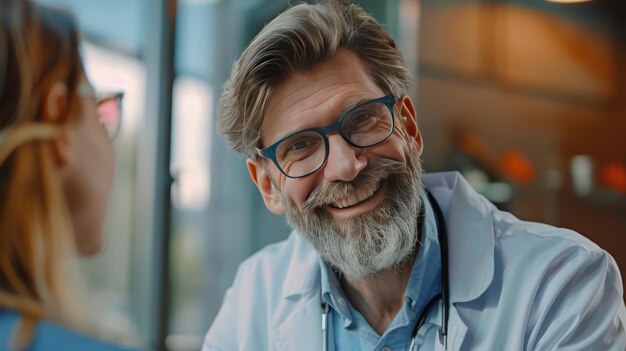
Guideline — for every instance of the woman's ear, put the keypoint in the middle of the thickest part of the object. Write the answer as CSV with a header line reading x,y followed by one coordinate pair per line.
x,y
262,180
408,118
55,102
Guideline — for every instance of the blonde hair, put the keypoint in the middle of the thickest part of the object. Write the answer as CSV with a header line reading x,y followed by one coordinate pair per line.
x,y
298,39
38,274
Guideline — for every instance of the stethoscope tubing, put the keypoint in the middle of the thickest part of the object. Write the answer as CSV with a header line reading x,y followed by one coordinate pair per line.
x,y
442,235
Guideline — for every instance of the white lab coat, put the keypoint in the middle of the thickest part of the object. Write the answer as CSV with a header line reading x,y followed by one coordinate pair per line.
x,y
514,285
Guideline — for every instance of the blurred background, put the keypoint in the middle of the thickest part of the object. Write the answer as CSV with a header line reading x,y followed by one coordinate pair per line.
x,y
527,98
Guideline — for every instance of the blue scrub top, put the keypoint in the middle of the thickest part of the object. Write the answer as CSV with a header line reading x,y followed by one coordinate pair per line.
x,y
50,336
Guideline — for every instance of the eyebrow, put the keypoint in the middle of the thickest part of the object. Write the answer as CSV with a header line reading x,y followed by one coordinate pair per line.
x,y
356,103
337,116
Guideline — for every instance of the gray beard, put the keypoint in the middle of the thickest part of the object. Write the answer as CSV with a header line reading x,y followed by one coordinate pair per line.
x,y
380,239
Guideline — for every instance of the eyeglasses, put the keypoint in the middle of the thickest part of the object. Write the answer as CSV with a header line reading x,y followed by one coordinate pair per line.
x,y
108,107
304,152
109,111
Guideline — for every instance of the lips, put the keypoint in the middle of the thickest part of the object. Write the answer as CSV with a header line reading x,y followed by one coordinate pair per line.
x,y
360,195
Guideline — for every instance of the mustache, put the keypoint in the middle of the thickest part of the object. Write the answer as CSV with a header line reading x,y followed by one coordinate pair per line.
x,y
328,193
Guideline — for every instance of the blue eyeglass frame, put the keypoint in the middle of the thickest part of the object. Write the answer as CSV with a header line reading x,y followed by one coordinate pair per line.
x,y
270,151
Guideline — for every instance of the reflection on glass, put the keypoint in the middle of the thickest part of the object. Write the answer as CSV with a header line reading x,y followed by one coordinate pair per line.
x,y
110,274
192,111
192,128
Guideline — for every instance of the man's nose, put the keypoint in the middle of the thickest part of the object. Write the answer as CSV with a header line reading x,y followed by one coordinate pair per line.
x,y
344,162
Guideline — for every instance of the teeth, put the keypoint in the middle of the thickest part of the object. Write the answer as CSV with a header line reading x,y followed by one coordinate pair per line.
x,y
356,197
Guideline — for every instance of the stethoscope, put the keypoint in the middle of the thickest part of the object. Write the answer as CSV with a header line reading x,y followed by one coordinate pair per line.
x,y
443,296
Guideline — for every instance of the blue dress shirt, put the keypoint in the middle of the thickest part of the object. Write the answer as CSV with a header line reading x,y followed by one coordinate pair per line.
x,y
348,329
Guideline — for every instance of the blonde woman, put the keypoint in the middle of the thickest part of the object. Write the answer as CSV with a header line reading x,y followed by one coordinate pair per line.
x,y
56,168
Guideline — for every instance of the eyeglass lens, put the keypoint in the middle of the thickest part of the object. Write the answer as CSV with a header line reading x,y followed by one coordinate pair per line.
x,y
110,113
305,152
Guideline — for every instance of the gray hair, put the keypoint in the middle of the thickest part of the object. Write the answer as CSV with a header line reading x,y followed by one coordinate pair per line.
x,y
296,40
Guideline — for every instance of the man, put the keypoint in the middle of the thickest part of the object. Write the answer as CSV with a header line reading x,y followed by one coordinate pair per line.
x,y
383,257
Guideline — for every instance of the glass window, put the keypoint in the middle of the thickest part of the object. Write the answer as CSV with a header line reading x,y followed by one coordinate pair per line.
x,y
112,52
109,275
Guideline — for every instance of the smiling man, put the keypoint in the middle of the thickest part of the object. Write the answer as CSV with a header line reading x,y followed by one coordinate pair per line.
x,y
383,257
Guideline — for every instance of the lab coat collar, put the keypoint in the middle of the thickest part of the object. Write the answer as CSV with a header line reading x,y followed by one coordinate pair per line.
x,y
302,299
471,245
467,214
303,271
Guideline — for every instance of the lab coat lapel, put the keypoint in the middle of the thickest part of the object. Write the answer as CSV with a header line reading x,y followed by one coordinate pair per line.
x,y
299,325
471,245
302,330
471,239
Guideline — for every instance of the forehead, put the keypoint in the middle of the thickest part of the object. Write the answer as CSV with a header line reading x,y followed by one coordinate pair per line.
x,y
318,96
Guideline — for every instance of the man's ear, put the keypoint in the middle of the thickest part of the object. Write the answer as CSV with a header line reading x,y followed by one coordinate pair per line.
x,y
408,117
55,103
262,180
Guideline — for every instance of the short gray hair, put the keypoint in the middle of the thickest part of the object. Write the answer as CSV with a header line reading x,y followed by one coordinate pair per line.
x,y
298,39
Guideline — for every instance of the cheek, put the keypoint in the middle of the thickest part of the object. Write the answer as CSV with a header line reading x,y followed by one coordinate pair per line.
x,y
103,156
87,205
91,242
394,148
298,190
98,163
89,186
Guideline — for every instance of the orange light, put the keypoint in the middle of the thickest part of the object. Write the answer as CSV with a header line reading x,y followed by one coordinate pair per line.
x,y
613,175
515,166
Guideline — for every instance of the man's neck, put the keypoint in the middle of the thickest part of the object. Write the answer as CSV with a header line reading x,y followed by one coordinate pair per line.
x,y
379,297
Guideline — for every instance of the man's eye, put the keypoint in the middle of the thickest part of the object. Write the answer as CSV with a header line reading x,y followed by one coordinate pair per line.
x,y
362,121
301,144
299,148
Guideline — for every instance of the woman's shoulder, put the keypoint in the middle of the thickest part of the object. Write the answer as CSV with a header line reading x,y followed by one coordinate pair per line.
x,y
52,336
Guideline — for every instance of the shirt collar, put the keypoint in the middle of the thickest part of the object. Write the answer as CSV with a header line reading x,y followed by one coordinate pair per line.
x,y
426,271
333,294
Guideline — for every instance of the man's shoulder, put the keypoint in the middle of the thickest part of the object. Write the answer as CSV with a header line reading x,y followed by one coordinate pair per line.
x,y
516,240
255,304
280,261
541,237
548,252
277,253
